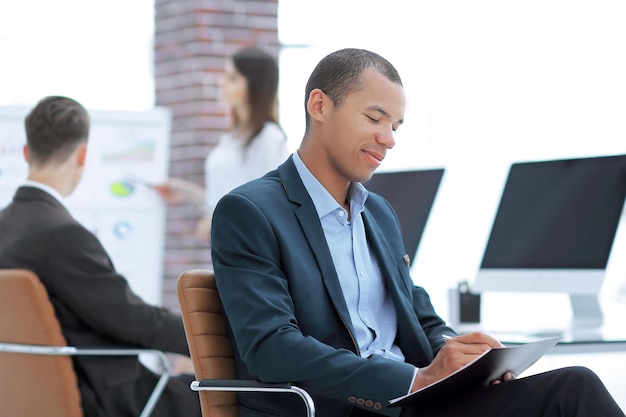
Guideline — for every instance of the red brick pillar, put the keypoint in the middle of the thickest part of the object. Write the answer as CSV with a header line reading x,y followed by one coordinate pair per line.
x,y
192,40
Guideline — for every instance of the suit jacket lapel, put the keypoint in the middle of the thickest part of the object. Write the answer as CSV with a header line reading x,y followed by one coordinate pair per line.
x,y
311,227
386,260
410,332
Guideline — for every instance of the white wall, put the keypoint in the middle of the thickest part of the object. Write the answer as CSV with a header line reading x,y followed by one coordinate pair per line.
x,y
97,52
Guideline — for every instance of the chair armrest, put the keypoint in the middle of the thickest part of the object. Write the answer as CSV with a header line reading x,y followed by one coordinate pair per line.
x,y
248,385
74,351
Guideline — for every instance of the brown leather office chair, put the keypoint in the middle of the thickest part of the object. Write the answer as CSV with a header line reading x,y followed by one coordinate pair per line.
x,y
37,375
211,351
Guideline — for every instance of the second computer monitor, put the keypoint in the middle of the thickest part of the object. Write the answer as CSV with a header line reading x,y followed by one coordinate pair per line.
x,y
554,230
411,194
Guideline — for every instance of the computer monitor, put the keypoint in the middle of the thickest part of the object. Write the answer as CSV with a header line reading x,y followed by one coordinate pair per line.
x,y
411,194
554,230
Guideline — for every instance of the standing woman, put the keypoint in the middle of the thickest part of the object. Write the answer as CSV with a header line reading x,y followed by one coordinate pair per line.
x,y
255,143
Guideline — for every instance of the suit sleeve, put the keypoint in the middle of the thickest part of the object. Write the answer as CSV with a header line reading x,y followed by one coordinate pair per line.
x,y
86,283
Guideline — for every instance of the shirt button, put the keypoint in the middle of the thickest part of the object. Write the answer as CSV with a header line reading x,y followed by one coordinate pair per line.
x,y
340,213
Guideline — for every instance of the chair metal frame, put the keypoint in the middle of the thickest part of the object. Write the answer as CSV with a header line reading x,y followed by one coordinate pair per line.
x,y
226,385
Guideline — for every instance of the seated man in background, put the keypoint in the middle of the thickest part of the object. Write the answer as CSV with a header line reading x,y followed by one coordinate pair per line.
x,y
93,303
315,281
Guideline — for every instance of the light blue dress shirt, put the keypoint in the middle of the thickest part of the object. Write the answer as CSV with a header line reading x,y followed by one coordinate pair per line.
x,y
371,309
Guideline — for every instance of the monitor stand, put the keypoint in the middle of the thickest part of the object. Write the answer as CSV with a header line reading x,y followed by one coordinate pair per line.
x,y
587,320
586,311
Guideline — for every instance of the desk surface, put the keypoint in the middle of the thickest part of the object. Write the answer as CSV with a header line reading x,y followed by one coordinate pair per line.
x,y
610,337
524,314
584,343
567,344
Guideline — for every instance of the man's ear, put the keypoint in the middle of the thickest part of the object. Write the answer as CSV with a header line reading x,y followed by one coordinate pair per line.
x,y
318,104
25,151
81,154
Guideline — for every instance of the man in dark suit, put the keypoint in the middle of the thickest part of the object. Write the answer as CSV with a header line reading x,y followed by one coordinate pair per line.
x,y
315,282
94,304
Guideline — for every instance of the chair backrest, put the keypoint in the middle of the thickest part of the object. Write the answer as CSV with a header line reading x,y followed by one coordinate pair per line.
x,y
209,346
33,385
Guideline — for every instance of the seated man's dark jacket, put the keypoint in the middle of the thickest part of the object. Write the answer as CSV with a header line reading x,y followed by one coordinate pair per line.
x,y
287,313
93,303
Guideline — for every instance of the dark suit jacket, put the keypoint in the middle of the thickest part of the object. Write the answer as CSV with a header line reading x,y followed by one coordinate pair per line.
x,y
94,304
285,305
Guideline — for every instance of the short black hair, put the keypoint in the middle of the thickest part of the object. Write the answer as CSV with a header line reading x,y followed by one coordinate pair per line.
x,y
54,128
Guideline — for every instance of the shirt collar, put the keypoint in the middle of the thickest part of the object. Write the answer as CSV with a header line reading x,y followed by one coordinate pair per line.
x,y
322,200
